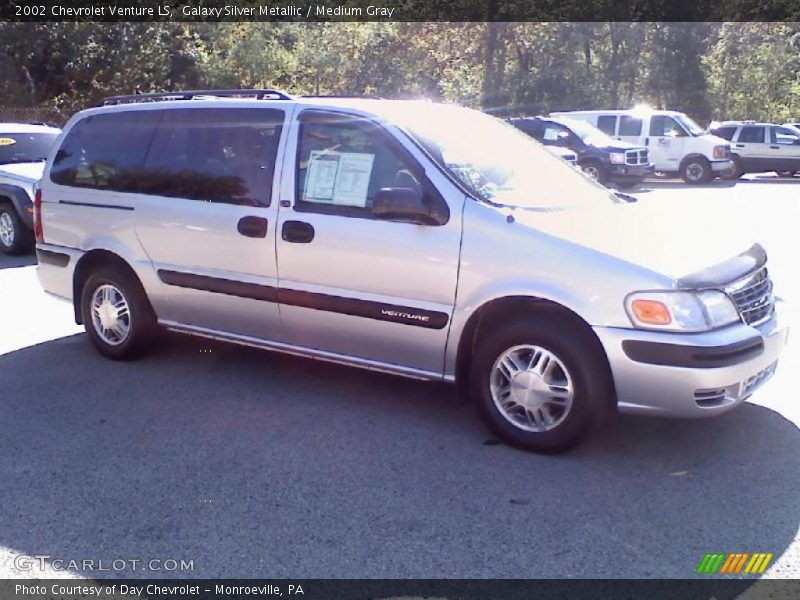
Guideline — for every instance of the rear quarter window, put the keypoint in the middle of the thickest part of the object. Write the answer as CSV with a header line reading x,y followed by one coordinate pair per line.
x,y
105,151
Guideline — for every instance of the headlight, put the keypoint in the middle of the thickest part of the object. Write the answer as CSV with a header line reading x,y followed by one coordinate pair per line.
x,y
722,151
617,158
681,311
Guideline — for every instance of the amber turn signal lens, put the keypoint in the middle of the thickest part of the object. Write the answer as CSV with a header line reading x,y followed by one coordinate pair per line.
x,y
651,312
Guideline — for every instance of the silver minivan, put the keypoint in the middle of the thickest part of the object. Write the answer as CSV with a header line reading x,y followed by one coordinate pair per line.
x,y
414,238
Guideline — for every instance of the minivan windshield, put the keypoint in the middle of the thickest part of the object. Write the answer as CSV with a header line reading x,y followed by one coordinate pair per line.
x,y
494,160
25,147
690,125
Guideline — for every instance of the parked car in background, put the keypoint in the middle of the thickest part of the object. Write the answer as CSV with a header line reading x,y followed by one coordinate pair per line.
x,y
601,157
407,237
23,150
676,143
760,147
564,154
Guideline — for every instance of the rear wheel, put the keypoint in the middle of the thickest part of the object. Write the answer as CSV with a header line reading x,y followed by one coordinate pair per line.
x,y
540,382
15,238
696,170
116,314
734,172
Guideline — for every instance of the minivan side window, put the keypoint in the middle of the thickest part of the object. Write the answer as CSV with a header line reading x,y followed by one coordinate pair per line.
x,y
630,125
751,135
607,124
221,155
342,163
105,151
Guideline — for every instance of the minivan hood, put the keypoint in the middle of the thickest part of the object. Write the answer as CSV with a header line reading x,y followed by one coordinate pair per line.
x,y
29,171
671,245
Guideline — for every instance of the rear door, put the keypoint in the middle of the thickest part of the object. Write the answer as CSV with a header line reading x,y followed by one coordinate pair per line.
x,y
206,217
752,146
784,148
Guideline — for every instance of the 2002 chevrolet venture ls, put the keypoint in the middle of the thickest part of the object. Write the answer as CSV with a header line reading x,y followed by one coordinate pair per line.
x,y
419,239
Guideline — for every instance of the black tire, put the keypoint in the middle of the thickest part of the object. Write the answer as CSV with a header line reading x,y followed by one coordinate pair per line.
x,y
696,171
787,174
735,172
141,321
595,170
585,362
21,238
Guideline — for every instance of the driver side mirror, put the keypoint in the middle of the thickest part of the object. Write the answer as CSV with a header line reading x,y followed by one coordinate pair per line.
x,y
403,204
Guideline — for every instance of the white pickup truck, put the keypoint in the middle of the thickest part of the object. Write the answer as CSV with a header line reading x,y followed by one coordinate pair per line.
x,y
23,150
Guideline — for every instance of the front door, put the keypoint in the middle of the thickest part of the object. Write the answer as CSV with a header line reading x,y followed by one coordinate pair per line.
x,y
785,148
351,285
206,218
666,143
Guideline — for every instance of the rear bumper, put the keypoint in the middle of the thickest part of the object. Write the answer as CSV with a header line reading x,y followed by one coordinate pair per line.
x,y
55,269
692,375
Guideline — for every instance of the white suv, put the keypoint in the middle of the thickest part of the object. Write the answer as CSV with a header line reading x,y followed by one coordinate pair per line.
x,y
676,143
418,239
759,147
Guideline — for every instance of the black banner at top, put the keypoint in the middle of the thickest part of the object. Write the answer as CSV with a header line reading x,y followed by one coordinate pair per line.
x,y
401,10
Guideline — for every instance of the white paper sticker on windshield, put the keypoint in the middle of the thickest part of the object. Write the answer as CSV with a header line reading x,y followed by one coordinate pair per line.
x,y
340,178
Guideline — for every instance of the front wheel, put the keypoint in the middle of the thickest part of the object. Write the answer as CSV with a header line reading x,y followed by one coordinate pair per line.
x,y
540,382
116,314
696,171
595,171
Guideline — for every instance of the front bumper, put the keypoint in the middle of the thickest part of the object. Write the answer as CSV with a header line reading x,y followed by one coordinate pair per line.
x,y
630,172
693,374
719,166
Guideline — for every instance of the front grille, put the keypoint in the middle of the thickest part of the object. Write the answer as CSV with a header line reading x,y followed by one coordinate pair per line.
x,y
753,297
637,157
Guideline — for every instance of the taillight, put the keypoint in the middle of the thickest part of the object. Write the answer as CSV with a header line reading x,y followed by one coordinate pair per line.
x,y
38,232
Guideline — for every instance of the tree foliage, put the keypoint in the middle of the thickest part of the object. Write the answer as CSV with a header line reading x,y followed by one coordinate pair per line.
x,y
710,70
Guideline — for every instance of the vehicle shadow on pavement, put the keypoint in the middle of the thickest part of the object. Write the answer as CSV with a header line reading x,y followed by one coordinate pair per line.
x,y
255,464
12,262
677,183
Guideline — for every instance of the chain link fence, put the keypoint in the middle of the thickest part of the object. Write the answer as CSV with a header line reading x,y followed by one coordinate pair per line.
x,y
32,114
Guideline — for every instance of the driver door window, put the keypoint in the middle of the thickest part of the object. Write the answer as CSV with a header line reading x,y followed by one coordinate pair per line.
x,y
341,165
663,126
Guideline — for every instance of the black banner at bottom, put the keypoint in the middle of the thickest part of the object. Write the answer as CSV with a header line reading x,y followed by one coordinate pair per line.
x,y
405,589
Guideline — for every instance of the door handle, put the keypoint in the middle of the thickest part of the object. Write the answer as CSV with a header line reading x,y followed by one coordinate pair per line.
x,y
774,147
297,232
254,227
739,146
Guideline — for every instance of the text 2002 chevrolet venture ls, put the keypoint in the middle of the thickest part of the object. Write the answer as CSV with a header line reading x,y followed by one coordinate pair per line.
x,y
418,239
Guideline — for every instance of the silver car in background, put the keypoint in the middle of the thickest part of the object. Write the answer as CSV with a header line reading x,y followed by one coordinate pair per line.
x,y
419,239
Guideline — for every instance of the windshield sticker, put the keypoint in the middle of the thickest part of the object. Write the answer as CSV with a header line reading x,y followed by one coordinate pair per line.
x,y
7,141
340,178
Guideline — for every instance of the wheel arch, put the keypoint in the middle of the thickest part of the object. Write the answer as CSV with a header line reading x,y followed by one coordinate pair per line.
x,y
89,262
18,198
509,307
692,156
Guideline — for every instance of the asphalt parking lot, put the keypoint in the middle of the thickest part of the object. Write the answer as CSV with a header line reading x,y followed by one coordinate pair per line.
x,y
254,464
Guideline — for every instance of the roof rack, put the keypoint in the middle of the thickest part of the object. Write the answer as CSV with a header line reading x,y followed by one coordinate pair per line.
x,y
189,95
